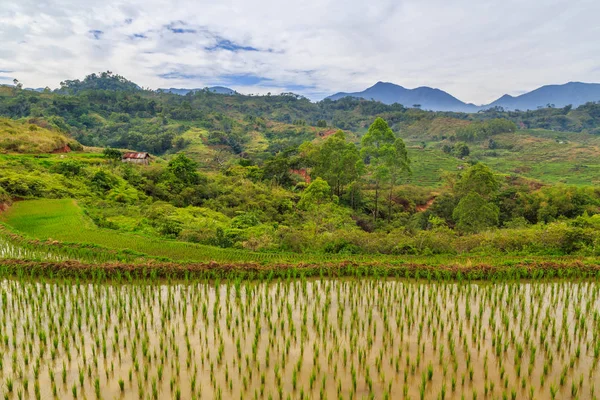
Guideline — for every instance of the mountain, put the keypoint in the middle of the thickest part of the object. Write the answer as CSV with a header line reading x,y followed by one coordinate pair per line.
x,y
428,98
573,93
213,89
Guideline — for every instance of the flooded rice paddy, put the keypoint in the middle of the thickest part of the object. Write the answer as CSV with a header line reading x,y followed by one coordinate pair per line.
x,y
300,339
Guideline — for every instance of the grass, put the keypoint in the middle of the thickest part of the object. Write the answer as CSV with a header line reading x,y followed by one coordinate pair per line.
x,y
429,164
62,220
22,137
548,156
551,157
197,148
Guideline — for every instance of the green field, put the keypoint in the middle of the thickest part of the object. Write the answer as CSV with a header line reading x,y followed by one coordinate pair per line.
x,y
428,166
548,156
64,221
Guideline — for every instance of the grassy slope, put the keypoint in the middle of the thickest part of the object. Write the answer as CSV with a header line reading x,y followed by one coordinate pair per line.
x,y
197,149
428,164
64,221
551,157
20,137
548,156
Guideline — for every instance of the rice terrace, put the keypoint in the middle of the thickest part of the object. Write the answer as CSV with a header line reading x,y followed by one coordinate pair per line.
x,y
257,215
95,322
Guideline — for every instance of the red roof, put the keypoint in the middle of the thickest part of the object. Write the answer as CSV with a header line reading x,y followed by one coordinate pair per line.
x,y
140,156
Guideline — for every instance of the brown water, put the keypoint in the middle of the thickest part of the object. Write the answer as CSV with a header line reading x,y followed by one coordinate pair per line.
x,y
349,339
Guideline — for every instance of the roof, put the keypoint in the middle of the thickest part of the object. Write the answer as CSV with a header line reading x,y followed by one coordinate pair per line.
x,y
136,155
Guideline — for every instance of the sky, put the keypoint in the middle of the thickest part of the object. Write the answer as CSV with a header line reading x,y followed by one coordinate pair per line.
x,y
475,50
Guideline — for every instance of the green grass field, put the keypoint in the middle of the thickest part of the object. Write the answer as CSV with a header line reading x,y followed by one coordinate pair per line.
x,y
548,156
428,165
64,221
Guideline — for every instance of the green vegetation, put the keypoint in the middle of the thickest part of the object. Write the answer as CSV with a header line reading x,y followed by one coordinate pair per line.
x,y
278,178
276,247
62,220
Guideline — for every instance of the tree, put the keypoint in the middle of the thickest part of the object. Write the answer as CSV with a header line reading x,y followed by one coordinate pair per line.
x,y
474,214
184,169
478,179
337,161
103,181
277,169
316,194
385,156
397,162
313,201
18,85
461,150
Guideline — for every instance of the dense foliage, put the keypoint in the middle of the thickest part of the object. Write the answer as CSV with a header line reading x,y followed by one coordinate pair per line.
x,y
279,173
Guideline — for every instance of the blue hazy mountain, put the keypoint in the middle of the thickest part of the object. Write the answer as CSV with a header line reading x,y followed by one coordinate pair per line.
x,y
213,89
428,98
573,93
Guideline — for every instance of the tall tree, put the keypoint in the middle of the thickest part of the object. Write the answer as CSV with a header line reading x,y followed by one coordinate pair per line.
x,y
385,156
397,162
313,201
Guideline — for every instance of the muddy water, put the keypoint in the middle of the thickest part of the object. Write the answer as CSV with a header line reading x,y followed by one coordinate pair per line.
x,y
349,339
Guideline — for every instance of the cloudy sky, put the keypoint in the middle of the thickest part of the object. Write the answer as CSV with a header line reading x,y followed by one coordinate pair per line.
x,y
475,50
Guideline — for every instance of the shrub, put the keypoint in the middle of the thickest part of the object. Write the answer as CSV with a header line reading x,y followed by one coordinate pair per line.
x,y
68,168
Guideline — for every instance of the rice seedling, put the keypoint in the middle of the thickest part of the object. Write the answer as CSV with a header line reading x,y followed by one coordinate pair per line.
x,y
306,337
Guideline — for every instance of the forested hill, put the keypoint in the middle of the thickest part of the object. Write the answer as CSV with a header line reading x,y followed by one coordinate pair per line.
x,y
283,173
108,110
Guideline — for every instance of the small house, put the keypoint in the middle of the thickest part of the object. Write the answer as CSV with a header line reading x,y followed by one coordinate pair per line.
x,y
136,158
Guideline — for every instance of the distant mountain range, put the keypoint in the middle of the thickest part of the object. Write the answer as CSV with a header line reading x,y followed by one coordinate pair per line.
x,y
213,89
572,93
424,97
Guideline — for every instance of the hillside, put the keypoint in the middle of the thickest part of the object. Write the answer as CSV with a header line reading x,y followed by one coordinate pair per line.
x,y
24,137
218,131
280,174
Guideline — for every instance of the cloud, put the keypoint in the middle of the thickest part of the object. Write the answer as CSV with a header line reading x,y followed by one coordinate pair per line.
x,y
477,51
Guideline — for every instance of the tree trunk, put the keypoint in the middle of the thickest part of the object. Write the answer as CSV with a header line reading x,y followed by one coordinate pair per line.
x,y
376,201
390,203
393,180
